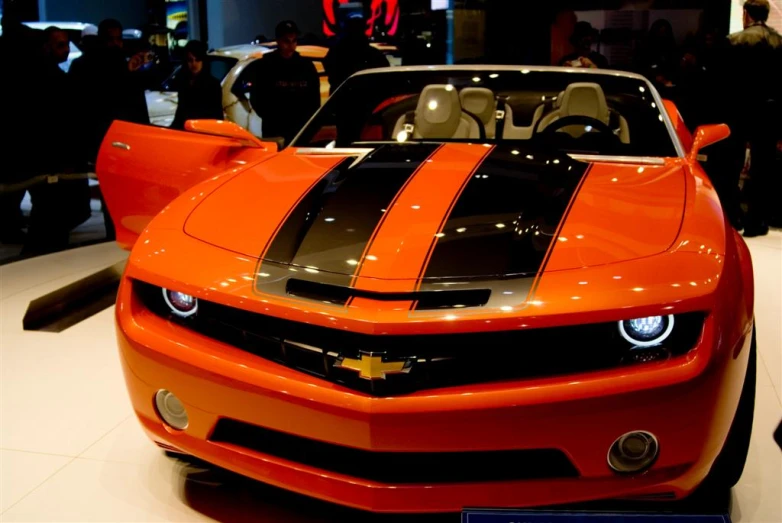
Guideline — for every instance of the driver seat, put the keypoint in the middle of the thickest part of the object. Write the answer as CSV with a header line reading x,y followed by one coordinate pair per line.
x,y
579,99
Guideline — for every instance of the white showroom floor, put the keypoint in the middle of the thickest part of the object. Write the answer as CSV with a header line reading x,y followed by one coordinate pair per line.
x,y
71,450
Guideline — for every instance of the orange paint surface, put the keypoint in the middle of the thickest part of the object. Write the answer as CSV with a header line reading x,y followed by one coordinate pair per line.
x,y
639,240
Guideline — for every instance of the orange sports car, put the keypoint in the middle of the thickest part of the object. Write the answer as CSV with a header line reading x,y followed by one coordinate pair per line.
x,y
457,287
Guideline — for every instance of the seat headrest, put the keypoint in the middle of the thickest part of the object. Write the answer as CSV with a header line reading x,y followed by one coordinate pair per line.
x,y
480,102
585,99
439,112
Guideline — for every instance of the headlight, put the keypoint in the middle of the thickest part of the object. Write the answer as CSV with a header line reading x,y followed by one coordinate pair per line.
x,y
647,332
181,304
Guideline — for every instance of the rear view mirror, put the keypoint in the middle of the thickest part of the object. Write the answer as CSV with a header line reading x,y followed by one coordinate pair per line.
x,y
226,129
707,135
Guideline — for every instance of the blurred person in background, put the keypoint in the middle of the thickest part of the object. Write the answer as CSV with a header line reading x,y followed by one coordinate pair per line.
x,y
352,53
58,205
106,88
89,39
659,58
286,88
200,93
582,40
20,52
751,72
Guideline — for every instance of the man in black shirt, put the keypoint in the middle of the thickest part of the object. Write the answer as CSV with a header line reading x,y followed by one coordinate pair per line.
x,y
351,54
753,104
105,88
286,90
61,206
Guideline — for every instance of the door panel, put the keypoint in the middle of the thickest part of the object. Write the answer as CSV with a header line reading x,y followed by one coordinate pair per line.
x,y
142,169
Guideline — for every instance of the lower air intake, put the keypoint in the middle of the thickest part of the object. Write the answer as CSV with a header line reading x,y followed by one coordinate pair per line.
x,y
398,467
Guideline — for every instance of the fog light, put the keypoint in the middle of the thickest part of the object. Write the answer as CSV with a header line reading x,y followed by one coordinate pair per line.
x,y
181,304
646,355
171,409
634,452
647,332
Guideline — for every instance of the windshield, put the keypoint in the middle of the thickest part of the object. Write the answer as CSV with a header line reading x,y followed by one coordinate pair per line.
x,y
604,114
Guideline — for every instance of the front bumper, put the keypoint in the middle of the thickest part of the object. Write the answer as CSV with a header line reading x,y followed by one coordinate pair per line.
x,y
688,403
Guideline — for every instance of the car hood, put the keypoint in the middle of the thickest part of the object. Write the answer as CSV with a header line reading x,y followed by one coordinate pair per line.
x,y
439,213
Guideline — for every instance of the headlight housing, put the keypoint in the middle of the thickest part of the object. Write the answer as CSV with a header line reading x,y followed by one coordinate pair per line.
x,y
181,304
648,331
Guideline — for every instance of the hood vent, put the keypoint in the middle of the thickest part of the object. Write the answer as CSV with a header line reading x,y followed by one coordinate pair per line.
x,y
427,300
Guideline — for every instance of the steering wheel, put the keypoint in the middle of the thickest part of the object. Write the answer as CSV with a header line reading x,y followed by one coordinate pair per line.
x,y
586,121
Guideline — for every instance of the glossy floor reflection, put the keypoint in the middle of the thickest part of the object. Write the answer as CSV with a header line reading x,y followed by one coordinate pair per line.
x,y
70,449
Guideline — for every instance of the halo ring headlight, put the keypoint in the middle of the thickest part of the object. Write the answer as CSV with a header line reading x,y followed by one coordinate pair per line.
x,y
648,331
181,304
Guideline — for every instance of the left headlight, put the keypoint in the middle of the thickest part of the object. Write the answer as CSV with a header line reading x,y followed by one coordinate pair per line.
x,y
181,304
648,331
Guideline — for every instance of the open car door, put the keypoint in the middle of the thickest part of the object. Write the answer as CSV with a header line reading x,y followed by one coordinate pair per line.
x,y
142,168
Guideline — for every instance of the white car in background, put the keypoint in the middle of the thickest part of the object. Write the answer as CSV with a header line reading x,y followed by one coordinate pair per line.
x,y
235,68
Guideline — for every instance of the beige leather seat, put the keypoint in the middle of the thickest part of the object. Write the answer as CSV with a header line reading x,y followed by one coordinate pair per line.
x,y
579,99
438,115
520,132
584,99
482,103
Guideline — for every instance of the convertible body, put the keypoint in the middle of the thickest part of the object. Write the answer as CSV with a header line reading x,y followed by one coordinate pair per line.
x,y
398,321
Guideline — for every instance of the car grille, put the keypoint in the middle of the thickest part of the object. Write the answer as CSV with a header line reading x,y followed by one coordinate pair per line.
x,y
398,467
420,362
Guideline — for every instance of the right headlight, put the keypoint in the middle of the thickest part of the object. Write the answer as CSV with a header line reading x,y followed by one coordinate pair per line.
x,y
648,331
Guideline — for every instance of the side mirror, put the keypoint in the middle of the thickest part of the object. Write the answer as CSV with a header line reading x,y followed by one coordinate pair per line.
x,y
685,136
707,135
226,129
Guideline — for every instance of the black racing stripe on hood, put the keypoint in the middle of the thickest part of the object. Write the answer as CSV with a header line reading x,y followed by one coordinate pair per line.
x,y
503,222
337,219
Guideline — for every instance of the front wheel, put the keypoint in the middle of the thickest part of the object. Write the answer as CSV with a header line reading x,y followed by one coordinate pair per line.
x,y
729,465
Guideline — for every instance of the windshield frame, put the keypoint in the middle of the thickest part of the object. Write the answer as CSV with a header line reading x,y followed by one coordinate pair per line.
x,y
672,134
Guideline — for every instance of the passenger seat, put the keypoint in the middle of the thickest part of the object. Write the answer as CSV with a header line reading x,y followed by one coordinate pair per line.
x,y
439,115
481,102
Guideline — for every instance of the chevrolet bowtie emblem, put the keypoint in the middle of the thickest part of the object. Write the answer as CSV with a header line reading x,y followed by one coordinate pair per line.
x,y
372,366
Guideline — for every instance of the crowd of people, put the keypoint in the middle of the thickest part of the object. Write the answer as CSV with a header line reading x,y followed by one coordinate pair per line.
x,y
734,80
105,84
56,122
715,78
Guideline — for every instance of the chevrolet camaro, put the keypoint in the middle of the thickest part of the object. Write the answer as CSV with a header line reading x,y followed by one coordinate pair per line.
x,y
459,286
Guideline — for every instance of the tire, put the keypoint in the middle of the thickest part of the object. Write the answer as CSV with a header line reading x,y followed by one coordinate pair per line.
x,y
729,465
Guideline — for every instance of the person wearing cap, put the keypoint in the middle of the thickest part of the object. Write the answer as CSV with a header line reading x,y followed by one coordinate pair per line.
x,y
286,89
582,40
